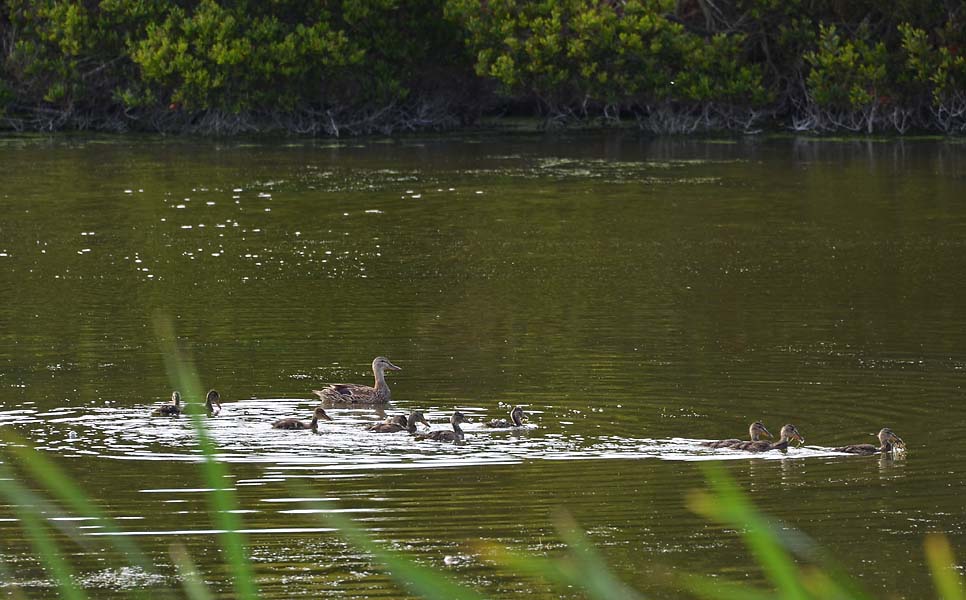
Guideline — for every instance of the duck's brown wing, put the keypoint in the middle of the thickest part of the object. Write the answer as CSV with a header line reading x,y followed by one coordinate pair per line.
x,y
440,435
385,428
857,449
759,446
346,392
722,443
289,424
499,424
167,410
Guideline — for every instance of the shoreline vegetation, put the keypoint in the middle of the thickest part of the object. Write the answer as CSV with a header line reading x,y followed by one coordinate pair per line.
x,y
356,67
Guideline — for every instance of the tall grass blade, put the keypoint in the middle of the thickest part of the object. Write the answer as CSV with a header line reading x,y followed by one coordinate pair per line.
x,y
583,567
586,568
194,586
221,499
562,572
23,502
728,504
942,564
428,583
714,588
45,472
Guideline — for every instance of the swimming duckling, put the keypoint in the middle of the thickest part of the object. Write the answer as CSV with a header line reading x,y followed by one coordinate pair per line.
x,y
755,431
390,425
888,441
296,424
400,423
447,436
171,409
211,400
516,419
355,393
788,433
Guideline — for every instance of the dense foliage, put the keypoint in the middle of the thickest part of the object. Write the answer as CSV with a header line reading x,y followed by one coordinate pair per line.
x,y
350,66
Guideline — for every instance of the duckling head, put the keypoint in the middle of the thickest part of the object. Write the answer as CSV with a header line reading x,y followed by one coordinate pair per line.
x,y
417,417
320,414
213,398
176,398
887,437
758,429
790,432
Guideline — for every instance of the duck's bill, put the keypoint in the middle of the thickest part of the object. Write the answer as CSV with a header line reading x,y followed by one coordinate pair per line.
x,y
393,367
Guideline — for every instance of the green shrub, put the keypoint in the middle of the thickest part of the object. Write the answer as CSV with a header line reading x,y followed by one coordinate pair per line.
x,y
576,52
846,73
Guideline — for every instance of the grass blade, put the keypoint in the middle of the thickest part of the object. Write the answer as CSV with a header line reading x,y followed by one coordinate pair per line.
x,y
942,564
194,586
714,588
57,483
23,502
426,582
727,504
221,499
587,569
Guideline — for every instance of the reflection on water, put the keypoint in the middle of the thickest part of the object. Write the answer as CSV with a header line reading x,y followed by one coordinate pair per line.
x,y
636,296
243,433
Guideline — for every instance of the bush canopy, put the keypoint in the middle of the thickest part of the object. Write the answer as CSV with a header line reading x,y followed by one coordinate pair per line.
x,y
359,66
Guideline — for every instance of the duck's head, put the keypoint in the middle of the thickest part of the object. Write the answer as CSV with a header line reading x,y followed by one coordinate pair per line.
x,y
517,414
458,418
176,398
417,417
320,414
381,363
790,432
887,437
212,399
757,430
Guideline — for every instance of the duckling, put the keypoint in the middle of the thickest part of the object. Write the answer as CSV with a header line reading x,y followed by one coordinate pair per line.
x,y
516,419
211,400
355,393
171,409
390,425
447,436
755,431
788,433
400,423
888,441
296,424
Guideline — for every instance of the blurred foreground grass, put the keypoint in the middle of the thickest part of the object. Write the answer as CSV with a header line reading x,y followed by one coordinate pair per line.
x,y
36,489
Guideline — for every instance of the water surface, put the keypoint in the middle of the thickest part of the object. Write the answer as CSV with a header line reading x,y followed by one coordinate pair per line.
x,y
636,296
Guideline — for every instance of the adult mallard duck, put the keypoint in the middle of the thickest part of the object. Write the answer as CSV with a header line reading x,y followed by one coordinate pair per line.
x,y
170,409
447,436
755,431
888,441
788,433
354,393
516,419
296,424
400,423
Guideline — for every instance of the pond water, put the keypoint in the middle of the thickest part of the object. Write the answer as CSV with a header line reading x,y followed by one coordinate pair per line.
x,y
636,296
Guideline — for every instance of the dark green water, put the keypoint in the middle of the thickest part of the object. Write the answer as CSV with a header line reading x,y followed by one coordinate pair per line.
x,y
634,295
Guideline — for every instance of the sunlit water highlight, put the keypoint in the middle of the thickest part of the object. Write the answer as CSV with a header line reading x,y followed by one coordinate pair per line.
x,y
637,296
